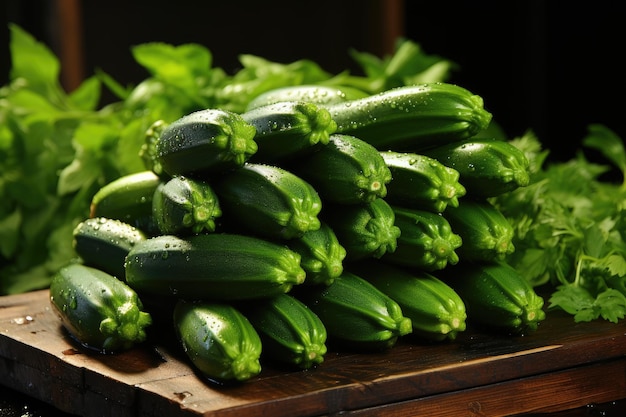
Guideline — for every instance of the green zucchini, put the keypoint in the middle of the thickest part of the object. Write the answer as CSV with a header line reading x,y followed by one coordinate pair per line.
x,y
268,201
488,167
364,230
215,266
426,240
205,141
311,93
98,310
346,171
487,235
287,129
497,297
291,333
356,314
218,340
436,311
183,205
412,118
104,243
321,254
148,152
129,199
421,182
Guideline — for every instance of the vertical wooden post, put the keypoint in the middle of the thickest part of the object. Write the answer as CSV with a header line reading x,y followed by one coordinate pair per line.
x,y
70,33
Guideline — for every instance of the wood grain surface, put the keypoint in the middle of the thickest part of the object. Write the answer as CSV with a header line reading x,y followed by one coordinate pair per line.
x,y
562,365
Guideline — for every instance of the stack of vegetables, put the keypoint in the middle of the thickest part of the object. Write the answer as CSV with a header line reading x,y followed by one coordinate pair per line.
x,y
316,217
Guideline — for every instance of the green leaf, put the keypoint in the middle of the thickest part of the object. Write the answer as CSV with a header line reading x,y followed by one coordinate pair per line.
x,y
9,233
32,61
87,95
608,143
612,305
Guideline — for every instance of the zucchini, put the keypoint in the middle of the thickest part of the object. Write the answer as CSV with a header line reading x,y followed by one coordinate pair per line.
x,y
218,340
288,129
426,240
436,311
291,333
129,199
346,171
183,205
412,118
497,297
268,201
98,310
488,167
205,141
356,314
215,266
487,235
311,93
321,254
364,230
104,243
421,182
148,152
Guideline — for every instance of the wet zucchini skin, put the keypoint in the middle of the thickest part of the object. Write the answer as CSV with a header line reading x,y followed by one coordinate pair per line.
x,y
215,266
99,311
218,340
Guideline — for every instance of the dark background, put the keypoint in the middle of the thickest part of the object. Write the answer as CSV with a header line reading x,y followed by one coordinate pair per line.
x,y
550,66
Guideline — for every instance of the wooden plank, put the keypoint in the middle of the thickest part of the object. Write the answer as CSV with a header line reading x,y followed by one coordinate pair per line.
x,y
37,358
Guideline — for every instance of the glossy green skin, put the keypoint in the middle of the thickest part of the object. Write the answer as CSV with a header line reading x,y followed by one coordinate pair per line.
x,y
487,235
218,340
214,266
436,311
148,152
127,198
498,296
183,206
346,171
364,230
317,94
426,240
488,167
421,182
412,118
268,201
104,243
205,141
322,255
291,332
98,310
356,314
289,129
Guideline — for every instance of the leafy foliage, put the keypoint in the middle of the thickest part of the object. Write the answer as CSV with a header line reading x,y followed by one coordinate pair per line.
x,y
570,226
57,148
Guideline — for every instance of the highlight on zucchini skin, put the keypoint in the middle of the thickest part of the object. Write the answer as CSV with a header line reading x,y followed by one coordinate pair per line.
x,y
422,182
413,118
268,201
104,243
488,167
356,314
436,311
219,340
347,170
497,297
213,266
206,141
310,93
98,310
288,129
184,206
291,333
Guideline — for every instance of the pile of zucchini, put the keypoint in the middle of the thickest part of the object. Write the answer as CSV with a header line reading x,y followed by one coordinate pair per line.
x,y
314,219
